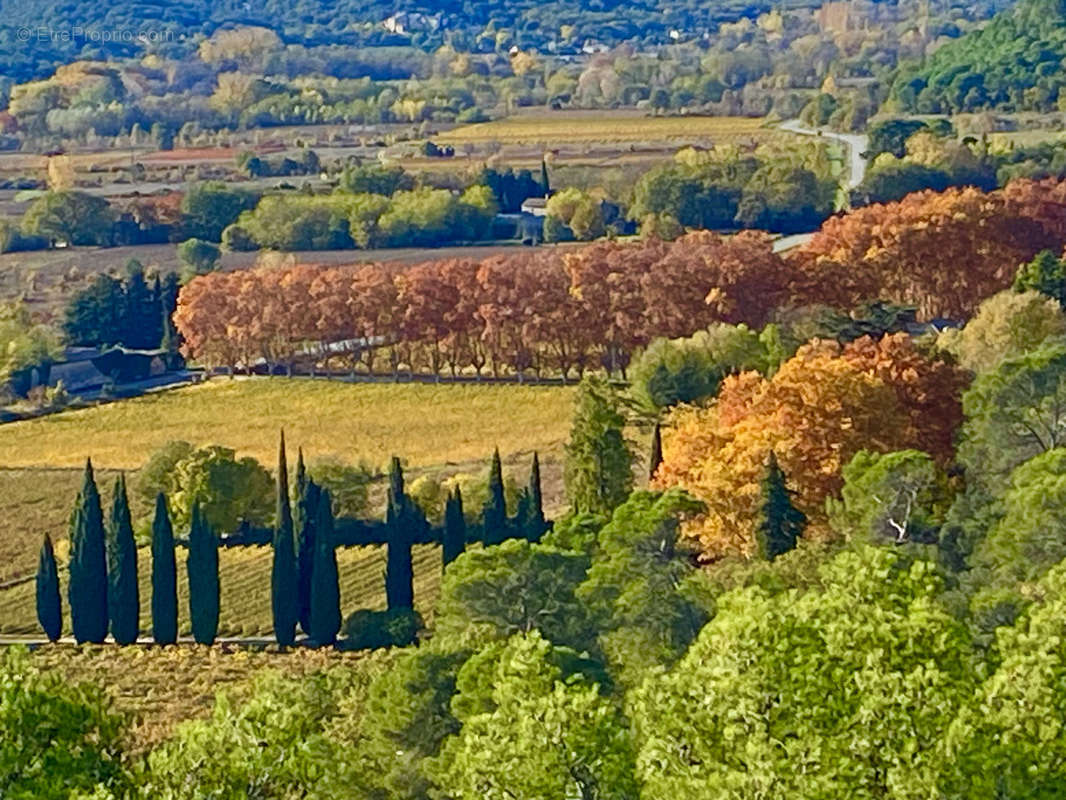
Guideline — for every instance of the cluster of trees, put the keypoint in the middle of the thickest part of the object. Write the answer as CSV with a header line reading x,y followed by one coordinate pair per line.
x,y
1012,64
941,252
424,217
434,65
563,313
783,190
71,217
103,585
132,312
532,311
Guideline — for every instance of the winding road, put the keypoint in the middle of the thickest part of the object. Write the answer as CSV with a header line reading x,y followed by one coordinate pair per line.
x,y
856,145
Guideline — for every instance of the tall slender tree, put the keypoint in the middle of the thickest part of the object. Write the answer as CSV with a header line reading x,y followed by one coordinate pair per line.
x,y
325,589
529,521
87,587
454,528
164,576
656,457
285,601
202,564
494,527
123,598
782,523
545,182
49,607
305,550
400,524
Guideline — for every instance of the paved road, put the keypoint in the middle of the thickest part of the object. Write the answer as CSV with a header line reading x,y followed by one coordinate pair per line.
x,y
855,143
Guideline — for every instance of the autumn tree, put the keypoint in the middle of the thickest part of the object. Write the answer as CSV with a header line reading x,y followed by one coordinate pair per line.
x,y
818,410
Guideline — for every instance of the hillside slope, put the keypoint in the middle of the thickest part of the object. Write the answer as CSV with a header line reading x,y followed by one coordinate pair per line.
x,y
1012,64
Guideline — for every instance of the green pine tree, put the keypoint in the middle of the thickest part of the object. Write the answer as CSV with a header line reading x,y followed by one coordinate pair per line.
x,y
782,523
494,527
87,587
599,461
283,577
164,576
202,564
49,608
123,597
454,542
1046,274
305,550
656,457
401,517
325,589
529,520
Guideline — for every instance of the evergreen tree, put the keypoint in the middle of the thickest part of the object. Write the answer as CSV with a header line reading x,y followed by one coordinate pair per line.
x,y
401,525
325,589
202,564
545,183
49,609
164,576
159,318
305,549
283,577
299,488
656,457
1046,274
529,518
782,523
140,321
454,528
123,600
599,462
494,528
87,587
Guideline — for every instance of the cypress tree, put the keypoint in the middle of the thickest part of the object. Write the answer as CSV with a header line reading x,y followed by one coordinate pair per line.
x,y
164,576
494,514
123,601
656,457
87,587
202,564
536,524
49,610
299,488
305,551
782,523
283,577
399,524
454,528
545,183
325,589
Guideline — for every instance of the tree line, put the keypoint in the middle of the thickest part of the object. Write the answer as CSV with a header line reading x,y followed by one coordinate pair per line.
x,y
103,591
565,312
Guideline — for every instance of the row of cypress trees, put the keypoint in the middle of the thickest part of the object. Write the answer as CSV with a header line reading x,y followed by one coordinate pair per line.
x,y
103,591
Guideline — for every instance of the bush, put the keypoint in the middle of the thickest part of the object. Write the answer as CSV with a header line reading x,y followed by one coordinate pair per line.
x,y
198,257
371,630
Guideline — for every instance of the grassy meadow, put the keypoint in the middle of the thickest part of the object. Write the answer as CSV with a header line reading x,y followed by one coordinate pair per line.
x,y
424,424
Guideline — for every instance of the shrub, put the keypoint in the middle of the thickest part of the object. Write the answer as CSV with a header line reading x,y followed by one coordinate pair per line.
x,y
370,630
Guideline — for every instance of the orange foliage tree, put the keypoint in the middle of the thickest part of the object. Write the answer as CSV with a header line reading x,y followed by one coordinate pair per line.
x,y
944,252
523,312
823,406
